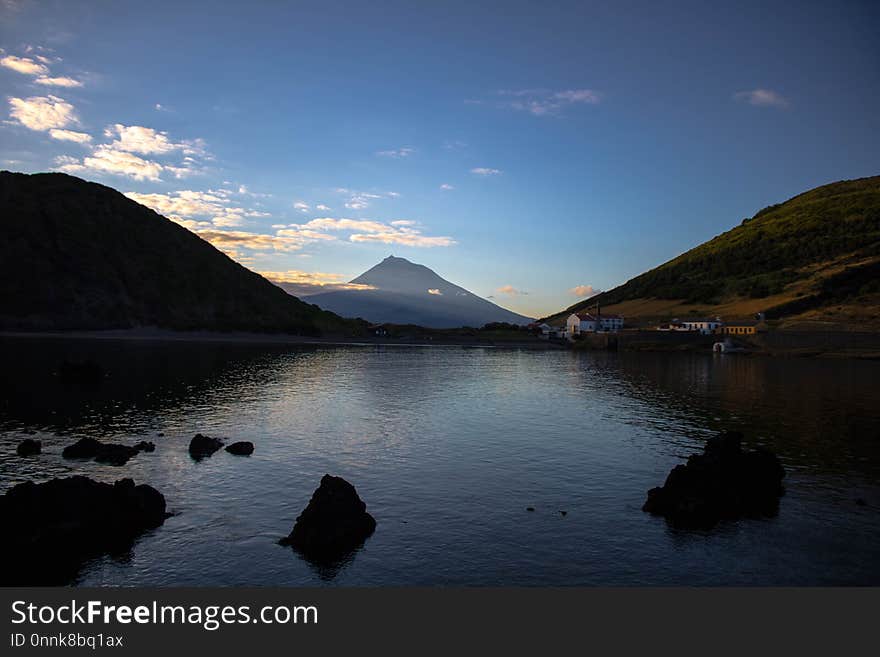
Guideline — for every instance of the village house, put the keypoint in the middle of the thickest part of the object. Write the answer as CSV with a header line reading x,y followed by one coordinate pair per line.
x,y
589,323
545,329
702,326
742,327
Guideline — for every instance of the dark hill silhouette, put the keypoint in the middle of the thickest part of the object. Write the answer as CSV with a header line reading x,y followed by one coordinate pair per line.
x,y
408,293
79,255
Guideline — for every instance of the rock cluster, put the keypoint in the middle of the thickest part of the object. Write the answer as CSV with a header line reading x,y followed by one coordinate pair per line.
x,y
334,523
723,483
108,453
50,529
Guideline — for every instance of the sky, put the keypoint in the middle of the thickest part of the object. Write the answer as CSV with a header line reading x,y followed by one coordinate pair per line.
x,y
534,153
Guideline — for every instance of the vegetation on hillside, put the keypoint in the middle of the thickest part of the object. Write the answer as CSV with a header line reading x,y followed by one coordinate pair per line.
x,y
833,227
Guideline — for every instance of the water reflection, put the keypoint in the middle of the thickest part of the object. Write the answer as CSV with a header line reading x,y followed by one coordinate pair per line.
x,y
448,447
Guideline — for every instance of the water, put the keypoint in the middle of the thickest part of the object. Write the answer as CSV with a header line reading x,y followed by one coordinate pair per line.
x,y
448,446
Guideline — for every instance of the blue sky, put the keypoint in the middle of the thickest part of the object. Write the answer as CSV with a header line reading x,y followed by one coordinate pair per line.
x,y
527,152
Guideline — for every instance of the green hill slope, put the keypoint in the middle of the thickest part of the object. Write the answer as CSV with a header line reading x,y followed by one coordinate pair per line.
x,y
820,249
78,255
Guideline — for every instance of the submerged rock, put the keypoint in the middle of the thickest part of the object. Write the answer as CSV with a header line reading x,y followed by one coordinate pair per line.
x,y
201,446
243,448
87,371
29,447
334,523
84,448
50,529
108,453
724,482
113,454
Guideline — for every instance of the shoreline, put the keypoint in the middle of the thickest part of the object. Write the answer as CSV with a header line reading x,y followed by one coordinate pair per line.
x,y
162,335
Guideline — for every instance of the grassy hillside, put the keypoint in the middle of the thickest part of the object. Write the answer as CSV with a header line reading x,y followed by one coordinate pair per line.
x,y
78,255
814,258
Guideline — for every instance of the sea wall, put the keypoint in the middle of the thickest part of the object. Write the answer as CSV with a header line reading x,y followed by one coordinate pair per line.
x,y
778,343
646,341
805,343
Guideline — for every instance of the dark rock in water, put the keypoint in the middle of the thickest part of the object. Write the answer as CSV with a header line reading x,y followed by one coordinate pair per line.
x,y
334,523
201,446
87,371
113,454
50,529
84,448
243,448
29,447
109,453
530,508
724,482
861,501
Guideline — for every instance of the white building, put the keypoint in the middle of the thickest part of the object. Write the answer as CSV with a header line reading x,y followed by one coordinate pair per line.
x,y
703,326
588,323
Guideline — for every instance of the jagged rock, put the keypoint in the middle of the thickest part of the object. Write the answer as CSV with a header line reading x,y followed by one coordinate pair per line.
x,y
243,448
84,448
113,454
87,371
108,453
50,529
334,523
29,447
201,446
724,482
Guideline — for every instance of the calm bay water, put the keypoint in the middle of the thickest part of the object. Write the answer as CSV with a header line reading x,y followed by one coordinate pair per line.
x,y
448,446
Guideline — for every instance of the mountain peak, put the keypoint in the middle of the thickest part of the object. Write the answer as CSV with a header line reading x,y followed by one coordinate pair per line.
x,y
405,292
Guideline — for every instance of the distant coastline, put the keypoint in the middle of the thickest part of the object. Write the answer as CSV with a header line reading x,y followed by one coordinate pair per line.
x,y
163,335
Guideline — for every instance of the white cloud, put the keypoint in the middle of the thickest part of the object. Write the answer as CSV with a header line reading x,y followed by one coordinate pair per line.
x,y
485,171
123,155
360,200
397,153
42,112
148,141
585,291
446,187
322,207
510,291
544,102
404,237
400,231
24,65
301,206
106,159
435,291
361,225
70,135
761,98
58,82
303,283
211,205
